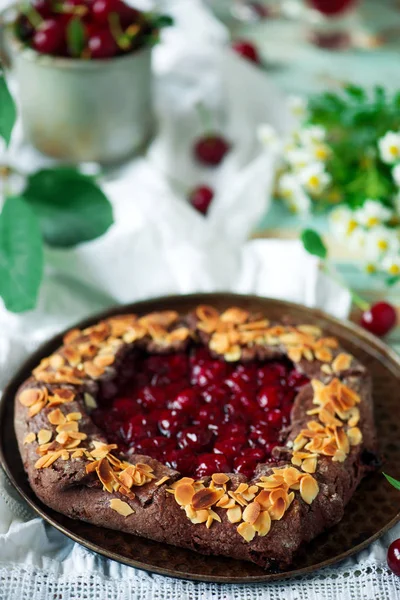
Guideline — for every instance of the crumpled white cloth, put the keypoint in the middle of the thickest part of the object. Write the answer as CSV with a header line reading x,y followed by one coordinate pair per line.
x,y
160,245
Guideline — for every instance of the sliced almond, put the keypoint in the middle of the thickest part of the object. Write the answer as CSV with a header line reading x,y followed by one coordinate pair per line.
x,y
56,361
121,507
309,465
277,510
263,499
251,512
176,484
56,417
74,416
29,438
67,426
30,397
342,362
205,498
355,436
161,481
308,488
247,531
220,478
44,436
234,514
184,494
77,453
92,370
104,473
201,516
263,523
71,335
36,408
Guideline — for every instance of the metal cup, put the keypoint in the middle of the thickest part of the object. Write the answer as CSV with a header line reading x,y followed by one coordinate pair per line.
x,y
83,110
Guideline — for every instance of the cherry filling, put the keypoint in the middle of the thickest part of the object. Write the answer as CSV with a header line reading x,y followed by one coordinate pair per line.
x,y
201,415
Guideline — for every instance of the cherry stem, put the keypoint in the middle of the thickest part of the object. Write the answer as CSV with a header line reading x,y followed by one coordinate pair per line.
x,y
122,40
205,117
31,14
333,274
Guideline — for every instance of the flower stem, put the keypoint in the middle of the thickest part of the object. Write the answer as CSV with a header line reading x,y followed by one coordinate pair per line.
x,y
333,274
205,117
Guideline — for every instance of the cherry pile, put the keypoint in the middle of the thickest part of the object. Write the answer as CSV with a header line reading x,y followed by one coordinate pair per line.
x,y
201,415
95,29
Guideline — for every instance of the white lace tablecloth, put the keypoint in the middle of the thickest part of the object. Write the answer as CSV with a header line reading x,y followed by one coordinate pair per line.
x,y
160,245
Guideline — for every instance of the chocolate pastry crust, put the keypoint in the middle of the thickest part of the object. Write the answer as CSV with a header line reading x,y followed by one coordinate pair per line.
x,y
73,469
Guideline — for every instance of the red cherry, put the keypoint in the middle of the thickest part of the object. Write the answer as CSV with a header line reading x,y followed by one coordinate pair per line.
x,y
49,38
200,198
231,447
43,7
187,401
212,463
296,380
151,397
211,149
379,319
102,44
270,397
393,557
247,50
170,422
194,438
274,418
180,460
125,406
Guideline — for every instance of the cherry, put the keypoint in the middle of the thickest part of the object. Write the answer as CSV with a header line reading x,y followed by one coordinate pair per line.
x,y
194,438
247,50
230,447
125,406
187,401
379,319
102,44
393,557
170,422
275,418
270,397
272,373
209,416
248,461
151,397
43,7
49,38
263,434
296,380
200,198
211,149
212,463
181,460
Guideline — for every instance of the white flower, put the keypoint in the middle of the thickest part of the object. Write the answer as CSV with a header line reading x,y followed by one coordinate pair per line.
x,y
342,221
391,264
314,178
372,213
267,136
389,147
371,267
320,152
382,240
396,174
298,158
297,107
293,194
358,239
311,135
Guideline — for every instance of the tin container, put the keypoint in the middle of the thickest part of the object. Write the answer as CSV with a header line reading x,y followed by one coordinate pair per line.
x,y
83,110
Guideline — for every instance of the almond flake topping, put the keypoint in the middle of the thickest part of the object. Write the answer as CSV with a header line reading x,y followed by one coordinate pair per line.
x,y
44,436
56,417
29,438
121,507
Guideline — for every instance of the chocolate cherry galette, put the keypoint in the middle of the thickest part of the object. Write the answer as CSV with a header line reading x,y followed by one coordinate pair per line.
x,y
222,432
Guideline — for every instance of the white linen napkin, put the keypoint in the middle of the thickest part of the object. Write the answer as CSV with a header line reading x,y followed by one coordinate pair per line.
x,y
160,245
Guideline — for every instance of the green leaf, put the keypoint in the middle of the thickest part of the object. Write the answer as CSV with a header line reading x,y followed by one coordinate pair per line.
x,y
21,255
75,37
70,206
355,92
159,21
8,112
313,243
391,281
393,481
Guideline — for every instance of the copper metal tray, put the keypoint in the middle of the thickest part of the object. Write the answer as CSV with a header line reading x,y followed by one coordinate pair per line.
x,y
373,509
